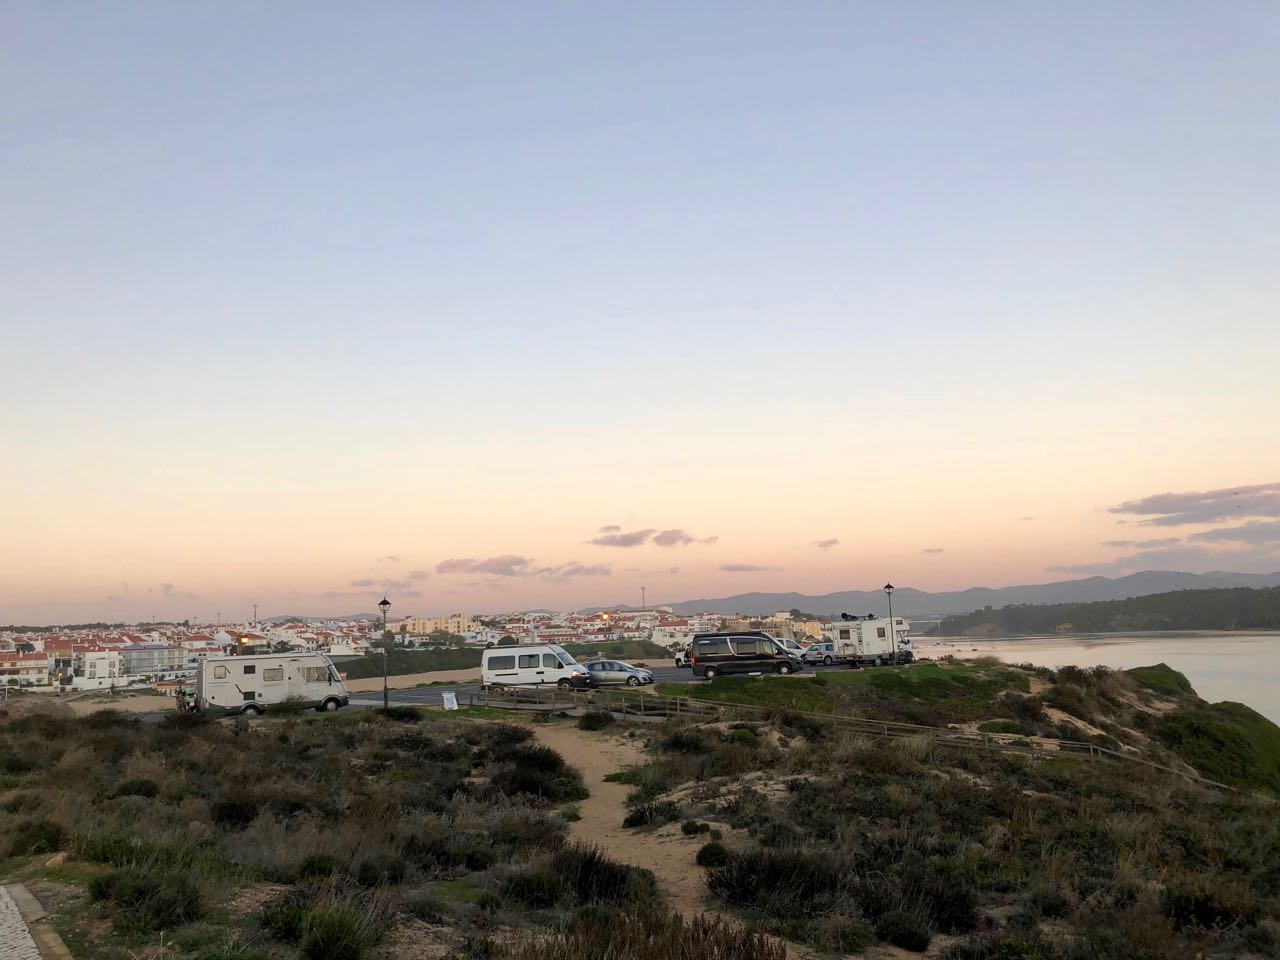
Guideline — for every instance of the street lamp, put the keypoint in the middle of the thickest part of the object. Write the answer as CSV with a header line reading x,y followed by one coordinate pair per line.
x,y
893,634
384,606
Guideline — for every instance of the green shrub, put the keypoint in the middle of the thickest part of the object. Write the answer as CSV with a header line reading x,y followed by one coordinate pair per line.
x,y
37,836
712,854
595,720
1000,726
145,900
842,933
904,928
319,865
332,932
22,803
236,810
230,950
401,713
426,906
137,788
1208,902
652,814
1161,678
284,917
536,888
684,740
594,878
744,735
380,868
183,720
691,828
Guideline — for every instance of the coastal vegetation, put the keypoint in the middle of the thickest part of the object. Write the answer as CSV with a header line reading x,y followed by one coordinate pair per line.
x,y
1237,608
840,842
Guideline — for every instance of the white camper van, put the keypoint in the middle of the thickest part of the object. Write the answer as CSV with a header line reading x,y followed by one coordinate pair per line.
x,y
869,641
532,666
251,684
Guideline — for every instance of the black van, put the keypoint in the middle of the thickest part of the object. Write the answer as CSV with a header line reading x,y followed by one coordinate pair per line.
x,y
749,651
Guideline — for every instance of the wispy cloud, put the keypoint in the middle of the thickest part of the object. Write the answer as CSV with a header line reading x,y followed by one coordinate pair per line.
x,y
825,544
933,550
416,575
633,538
1255,531
615,536
745,568
389,558
511,565
1146,544
507,565
1207,506
610,528
385,585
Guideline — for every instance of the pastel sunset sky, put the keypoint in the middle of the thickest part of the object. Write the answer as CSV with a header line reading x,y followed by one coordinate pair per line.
x,y
496,306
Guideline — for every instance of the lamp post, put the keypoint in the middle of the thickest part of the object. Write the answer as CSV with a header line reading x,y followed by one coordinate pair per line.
x,y
893,635
384,606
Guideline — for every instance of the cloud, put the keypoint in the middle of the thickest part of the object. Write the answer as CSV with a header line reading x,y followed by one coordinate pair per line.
x,y
632,539
1208,506
1161,542
1255,531
572,570
416,575
367,582
825,544
168,591
389,558
1025,519
611,528
507,565
409,593
672,538
510,565
744,568
933,550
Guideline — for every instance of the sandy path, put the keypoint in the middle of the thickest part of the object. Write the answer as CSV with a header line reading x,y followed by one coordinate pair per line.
x,y
370,684
665,851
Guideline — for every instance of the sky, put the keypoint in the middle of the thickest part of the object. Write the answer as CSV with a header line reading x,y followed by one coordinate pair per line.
x,y
511,305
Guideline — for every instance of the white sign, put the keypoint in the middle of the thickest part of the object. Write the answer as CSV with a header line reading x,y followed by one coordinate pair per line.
x,y
450,699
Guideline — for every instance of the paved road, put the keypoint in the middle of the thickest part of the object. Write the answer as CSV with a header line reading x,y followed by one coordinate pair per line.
x,y
16,942
430,696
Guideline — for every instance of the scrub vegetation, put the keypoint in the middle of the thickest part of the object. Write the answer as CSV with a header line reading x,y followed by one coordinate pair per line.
x,y
839,841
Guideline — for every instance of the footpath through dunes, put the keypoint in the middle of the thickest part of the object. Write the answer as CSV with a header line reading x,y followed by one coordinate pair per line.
x,y
665,852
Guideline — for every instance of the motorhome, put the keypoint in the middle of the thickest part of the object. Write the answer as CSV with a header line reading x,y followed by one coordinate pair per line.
x,y
869,641
252,684
532,666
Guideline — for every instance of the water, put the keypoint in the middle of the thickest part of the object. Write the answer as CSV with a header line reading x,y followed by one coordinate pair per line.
x,y
1244,667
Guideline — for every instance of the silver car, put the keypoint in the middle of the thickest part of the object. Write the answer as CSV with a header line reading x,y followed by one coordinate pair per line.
x,y
615,671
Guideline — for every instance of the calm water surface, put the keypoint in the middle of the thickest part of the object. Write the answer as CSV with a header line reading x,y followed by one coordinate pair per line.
x,y
1244,667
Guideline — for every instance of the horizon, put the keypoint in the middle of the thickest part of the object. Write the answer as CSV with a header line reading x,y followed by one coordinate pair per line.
x,y
503,307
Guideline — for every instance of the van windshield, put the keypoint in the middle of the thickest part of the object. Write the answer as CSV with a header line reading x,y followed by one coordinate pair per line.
x,y
567,660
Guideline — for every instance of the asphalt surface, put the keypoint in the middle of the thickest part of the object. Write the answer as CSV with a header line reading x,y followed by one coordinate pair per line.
x,y
430,696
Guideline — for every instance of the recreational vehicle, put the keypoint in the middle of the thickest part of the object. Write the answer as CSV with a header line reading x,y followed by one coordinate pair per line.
x,y
251,684
532,666
869,641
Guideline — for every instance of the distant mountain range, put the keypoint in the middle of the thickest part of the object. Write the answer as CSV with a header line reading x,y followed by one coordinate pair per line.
x,y
922,604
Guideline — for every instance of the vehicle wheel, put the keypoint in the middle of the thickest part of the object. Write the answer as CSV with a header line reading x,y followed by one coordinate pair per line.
x,y
633,681
710,673
330,705
826,661
251,710
879,661
564,684
784,668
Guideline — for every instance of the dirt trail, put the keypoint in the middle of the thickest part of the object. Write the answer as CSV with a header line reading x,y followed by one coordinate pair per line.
x,y
665,851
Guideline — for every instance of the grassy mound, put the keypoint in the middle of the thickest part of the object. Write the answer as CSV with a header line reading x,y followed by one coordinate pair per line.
x,y
1227,742
1162,678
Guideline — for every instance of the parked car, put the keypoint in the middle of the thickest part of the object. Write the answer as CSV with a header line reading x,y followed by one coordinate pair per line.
x,y
615,671
684,656
824,653
747,652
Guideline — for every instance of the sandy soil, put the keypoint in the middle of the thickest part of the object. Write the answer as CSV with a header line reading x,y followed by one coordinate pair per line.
x,y
370,684
665,851
63,706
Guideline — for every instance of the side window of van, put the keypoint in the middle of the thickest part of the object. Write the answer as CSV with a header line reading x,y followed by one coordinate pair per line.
x,y
502,663
880,631
250,668
312,674
528,661
273,673
551,660
219,673
844,634
713,648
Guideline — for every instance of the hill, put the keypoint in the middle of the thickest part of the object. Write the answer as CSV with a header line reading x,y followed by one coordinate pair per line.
x,y
919,603
1241,608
